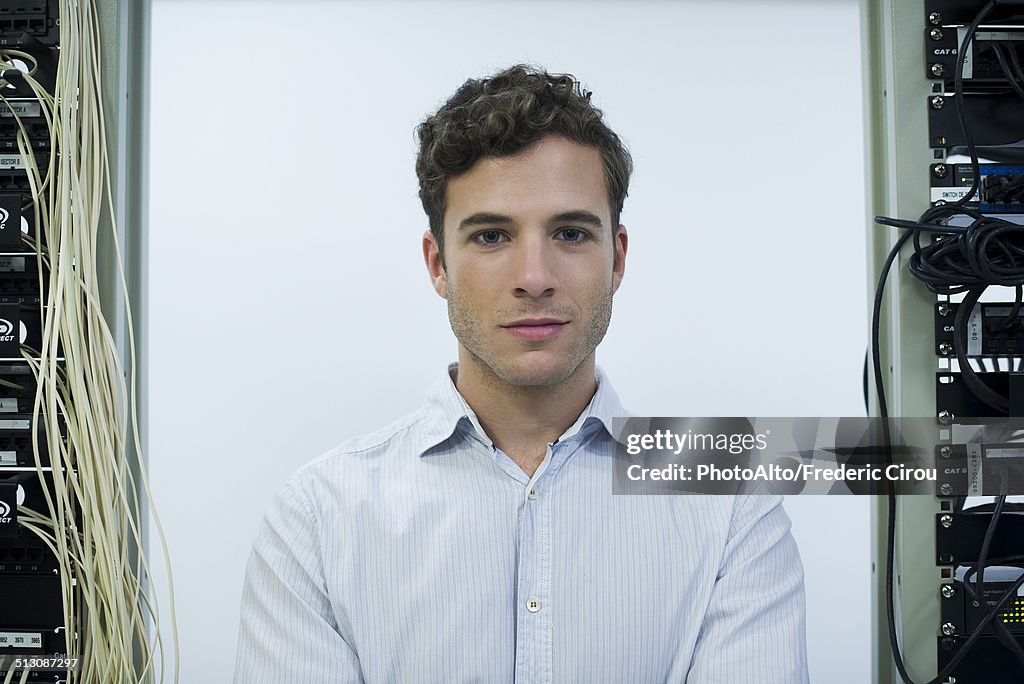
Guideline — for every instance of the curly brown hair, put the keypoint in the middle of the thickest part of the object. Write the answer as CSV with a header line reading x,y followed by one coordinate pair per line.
x,y
502,115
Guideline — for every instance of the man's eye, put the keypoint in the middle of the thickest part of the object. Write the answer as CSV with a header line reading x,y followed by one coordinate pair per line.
x,y
489,237
574,235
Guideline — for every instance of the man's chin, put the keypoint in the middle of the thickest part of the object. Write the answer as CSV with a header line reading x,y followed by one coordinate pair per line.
x,y
536,373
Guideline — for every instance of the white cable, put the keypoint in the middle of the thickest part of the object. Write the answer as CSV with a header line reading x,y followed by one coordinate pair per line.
x,y
92,503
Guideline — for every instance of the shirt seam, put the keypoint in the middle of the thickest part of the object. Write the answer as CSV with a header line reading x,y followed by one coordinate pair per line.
x,y
338,451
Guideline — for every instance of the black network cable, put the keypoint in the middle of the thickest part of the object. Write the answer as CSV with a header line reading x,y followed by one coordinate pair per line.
x,y
986,542
978,593
1001,632
1003,190
958,96
891,513
867,401
1008,640
1012,74
1015,62
990,251
966,260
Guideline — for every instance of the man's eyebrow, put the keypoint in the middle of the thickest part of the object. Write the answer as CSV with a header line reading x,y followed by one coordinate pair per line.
x,y
484,218
578,216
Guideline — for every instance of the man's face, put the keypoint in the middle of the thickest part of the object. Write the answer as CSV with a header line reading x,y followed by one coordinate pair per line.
x,y
531,261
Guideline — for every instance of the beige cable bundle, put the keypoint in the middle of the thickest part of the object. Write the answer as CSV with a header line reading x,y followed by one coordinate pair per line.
x,y
92,521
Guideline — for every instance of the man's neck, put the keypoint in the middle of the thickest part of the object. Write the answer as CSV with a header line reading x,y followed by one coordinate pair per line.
x,y
522,421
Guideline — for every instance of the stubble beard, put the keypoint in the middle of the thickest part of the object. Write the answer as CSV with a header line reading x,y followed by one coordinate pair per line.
x,y
470,334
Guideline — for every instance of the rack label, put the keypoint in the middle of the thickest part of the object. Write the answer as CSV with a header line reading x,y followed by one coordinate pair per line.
x,y
974,469
974,332
12,264
949,195
21,109
21,639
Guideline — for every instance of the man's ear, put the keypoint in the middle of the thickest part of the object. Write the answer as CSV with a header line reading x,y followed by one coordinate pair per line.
x,y
432,257
619,266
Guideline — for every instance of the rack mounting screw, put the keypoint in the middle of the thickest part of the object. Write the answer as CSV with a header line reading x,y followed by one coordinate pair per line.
x,y
948,628
944,309
937,102
946,521
945,417
935,18
946,489
940,170
936,34
945,348
945,450
938,70
948,591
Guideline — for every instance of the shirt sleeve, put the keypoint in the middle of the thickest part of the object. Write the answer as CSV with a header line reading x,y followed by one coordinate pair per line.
x,y
288,634
754,629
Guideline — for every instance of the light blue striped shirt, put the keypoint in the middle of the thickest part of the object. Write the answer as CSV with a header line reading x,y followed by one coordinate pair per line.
x,y
422,553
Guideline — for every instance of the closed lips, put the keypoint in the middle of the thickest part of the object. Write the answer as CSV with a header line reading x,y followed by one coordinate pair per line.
x,y
534,322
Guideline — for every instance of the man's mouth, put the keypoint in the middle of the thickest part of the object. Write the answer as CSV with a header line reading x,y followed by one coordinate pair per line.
x,y
535,328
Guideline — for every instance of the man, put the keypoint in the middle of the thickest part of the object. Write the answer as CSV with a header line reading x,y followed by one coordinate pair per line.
x,y
478,540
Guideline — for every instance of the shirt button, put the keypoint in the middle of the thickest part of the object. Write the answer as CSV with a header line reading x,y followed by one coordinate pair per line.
x,y
532,494
532,605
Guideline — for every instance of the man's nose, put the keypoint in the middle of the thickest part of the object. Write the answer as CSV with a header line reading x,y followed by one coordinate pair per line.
x,y
535,267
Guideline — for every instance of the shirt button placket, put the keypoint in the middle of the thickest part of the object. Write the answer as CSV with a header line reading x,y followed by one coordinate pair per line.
x,y
533,638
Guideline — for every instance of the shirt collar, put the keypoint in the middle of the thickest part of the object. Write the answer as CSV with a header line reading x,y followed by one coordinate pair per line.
x,y
445,410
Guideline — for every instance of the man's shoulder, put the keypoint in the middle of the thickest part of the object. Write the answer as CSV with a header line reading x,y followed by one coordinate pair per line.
x,y
400,436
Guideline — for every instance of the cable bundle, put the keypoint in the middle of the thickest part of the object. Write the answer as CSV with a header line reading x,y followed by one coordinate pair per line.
x,y
989,251
960,262
93,517
1010,64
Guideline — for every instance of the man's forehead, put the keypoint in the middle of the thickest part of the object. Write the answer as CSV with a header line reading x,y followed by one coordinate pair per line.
x,y
552,177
